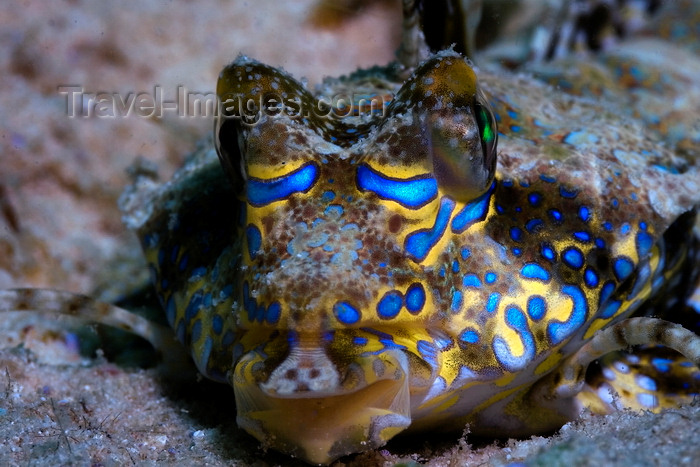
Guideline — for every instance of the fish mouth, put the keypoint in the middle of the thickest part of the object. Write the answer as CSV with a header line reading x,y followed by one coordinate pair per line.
x,y
322,425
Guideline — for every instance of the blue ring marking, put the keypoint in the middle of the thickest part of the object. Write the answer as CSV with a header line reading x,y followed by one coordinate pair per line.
x,y
254,240
333,211
390,304
228,339
645,382
471,280
409,192
455,266
556,215
600,243
516,233
548,252
536,307
419,243
584,213
565,193
534,271
533,224
608,226
274,310
173,253
490,277
226,292
492,302
516,320
204,355
645,242
194,305
572,257
465,253
328,196
261,192
217,324
547,178
469,336
642,277
472,212
457,298
164,283
517,251
622,267
590,278
346,313
643,225
260,313
415,298
557,330
625,228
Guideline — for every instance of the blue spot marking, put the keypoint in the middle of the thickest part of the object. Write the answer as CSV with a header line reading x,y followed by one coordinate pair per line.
x,y
608,226
644,244
622,267
517,321
490,277
193,306
471,280
547,178
474,211
427,350
254,239
455,266
360,340
643,225
196,330
556,215
609,309
492,302
533,224
582,236
517,251
465,253
262,192
328,196
512,114
606,292
217,324
536,307
419,243
584,213
415,298
456,304
390,305
334,210
412,193
600,243
590,278
534,199
516,233
534,271
346,313
565,193
625,229
548,252
572,257
170,310
469,335
273,312
183,262
558,331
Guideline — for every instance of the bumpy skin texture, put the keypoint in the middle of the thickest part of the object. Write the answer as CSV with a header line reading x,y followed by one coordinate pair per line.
x,y
360,275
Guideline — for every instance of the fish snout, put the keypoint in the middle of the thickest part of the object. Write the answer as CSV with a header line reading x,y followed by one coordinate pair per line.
x,y
310,409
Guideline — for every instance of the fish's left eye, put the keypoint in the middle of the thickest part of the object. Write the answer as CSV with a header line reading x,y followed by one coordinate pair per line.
x,y
488,131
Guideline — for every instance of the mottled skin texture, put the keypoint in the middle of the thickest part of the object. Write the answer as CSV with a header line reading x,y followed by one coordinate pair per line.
x,y
353,276
358,275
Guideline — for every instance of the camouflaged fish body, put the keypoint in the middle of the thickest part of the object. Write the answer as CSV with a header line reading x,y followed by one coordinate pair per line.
x,y
358,273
